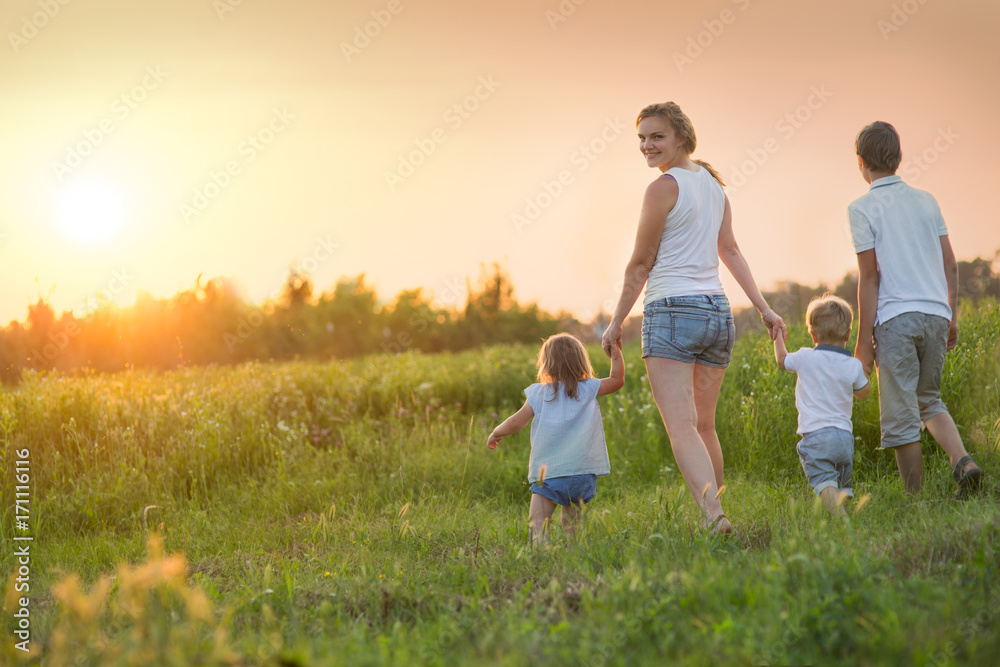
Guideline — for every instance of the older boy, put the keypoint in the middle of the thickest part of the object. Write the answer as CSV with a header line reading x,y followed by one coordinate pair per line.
x,y
828,376
907,293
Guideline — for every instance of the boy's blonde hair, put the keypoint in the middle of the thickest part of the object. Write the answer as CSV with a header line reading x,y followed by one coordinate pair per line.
x,y
829,319
878,144
671,112
563,359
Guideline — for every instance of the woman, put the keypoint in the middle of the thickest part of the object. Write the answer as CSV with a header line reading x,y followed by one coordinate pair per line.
x,y
685,227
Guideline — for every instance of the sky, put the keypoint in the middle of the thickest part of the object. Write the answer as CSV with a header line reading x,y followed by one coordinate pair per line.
x,y
147,143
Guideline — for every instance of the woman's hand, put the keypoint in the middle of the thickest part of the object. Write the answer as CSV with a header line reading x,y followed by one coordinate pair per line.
x,y
612,338
775,325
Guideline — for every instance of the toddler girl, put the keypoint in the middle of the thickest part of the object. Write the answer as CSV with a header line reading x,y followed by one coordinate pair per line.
x,y
568,450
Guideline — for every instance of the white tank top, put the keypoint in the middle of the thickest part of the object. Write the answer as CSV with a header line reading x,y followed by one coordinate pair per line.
x,y
687,261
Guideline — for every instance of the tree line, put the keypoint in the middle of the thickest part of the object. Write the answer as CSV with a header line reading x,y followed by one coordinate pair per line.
x,y
212,324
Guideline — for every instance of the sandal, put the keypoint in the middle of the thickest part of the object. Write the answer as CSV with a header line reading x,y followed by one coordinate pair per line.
x,y
968,482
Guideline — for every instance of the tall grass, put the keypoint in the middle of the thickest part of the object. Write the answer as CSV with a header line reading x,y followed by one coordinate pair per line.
x,y
348,513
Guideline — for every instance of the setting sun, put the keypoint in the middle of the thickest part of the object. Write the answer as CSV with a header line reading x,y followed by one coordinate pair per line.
x,y
91,211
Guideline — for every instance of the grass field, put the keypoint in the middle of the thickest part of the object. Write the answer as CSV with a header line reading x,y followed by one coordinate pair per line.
x,y
350,514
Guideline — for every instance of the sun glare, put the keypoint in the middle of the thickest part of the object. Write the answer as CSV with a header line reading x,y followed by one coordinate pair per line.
x,y
91,212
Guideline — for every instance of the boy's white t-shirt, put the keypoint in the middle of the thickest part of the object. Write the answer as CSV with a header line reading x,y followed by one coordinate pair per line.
x,y
904,225
567,434
828,376
687,261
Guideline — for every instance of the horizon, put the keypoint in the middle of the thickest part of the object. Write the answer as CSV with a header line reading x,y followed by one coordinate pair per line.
x,y
452,298
412,144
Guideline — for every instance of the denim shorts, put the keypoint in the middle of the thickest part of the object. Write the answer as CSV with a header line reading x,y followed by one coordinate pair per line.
x,y
909,353
693,329
827,456
572,489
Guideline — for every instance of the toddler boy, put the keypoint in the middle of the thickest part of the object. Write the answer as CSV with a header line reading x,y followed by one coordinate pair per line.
x,y
828,377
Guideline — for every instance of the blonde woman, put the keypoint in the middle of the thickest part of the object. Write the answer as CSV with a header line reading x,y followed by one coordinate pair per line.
x,y
685,228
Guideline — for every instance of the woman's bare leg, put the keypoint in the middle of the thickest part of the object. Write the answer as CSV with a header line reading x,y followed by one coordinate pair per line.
x,y
673,388
707,382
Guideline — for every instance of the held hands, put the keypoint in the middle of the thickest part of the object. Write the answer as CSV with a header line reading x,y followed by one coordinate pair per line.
x,y
493,440
775,325
612,339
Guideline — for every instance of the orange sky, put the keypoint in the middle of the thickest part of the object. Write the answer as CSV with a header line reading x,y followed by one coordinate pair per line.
x,y
240,137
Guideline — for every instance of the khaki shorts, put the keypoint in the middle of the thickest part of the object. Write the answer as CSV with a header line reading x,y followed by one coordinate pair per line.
x,y
909,353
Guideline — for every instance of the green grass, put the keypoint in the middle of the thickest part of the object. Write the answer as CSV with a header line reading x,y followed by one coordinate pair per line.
x,y
350,513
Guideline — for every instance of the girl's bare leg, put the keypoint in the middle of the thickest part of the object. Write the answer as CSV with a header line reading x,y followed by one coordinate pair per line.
x,y
571,515
539,515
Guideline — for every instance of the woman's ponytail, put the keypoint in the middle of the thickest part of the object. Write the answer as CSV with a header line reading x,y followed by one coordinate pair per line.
x,y
716,175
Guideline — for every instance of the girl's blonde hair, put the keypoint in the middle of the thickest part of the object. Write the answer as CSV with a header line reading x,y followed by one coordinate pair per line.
x,y
563,359
682,128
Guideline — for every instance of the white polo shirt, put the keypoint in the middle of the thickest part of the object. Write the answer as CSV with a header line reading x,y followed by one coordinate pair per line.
x,y
904,225
824,392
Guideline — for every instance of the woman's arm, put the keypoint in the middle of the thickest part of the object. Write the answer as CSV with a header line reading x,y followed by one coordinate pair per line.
x,y
661,195
511,425
732,257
